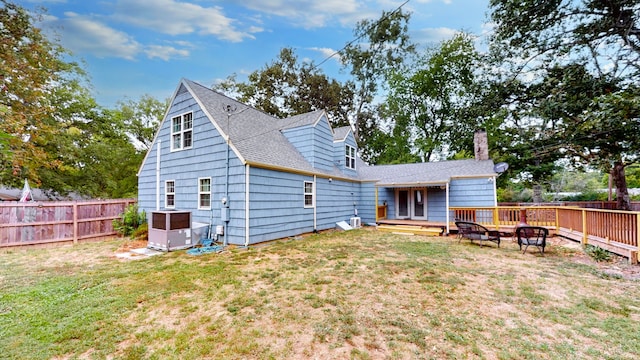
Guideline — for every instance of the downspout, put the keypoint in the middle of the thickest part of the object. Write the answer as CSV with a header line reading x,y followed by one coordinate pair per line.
x,y
495,192
446,197
225,205
158,148
315,204
246,206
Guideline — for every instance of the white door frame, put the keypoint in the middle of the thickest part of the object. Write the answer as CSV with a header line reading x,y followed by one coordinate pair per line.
x,y
412,203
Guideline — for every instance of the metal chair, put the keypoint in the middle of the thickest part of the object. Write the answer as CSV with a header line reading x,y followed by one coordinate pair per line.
x,y
532,236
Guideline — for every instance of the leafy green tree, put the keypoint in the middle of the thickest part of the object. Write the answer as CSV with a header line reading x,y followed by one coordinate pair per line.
x,y
57,136
287,87
551,29
589,50
380,46
141,118
427,104
32,74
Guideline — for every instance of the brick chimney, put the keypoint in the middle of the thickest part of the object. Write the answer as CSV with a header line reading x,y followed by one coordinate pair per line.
x,y
481,145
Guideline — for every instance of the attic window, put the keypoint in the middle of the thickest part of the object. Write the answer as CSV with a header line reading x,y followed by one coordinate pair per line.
x,y
182,131
350,157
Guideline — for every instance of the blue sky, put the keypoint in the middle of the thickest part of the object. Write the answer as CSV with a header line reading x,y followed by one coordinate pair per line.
x,y
135,47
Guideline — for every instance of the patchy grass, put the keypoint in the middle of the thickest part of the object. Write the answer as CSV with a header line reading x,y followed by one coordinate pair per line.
x,y
355,295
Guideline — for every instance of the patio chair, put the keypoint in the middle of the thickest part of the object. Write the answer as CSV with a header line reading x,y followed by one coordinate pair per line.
x,y
473,231
532,236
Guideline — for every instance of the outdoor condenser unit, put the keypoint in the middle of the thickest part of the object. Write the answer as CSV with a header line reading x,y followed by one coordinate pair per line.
x,y
355,222
170,230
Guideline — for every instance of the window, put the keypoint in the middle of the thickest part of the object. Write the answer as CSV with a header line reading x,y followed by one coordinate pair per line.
x,y
170,194
309,198
204,193
350,157
182,131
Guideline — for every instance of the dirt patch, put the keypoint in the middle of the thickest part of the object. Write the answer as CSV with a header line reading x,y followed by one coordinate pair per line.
x,y
129,245
617,266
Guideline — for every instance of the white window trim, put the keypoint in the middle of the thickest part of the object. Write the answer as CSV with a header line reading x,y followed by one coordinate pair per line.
x,y
167,193
200,193
312,193
181,132
349,158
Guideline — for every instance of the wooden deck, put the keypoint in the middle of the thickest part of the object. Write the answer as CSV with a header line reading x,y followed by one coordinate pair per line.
x,y
386,224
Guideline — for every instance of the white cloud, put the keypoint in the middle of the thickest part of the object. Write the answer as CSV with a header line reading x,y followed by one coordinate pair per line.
x,y
311,13
434,35
327,52
178,18
83,34
165,53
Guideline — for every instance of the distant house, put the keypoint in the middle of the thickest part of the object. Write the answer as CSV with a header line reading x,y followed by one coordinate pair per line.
x,y
264,178
13,194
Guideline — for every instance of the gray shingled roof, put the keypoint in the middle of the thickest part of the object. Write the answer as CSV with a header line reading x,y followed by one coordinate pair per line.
x,y
258,139
425,173
341,133
256,135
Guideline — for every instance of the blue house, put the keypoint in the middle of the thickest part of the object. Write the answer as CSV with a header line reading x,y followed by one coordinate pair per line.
x,y
262,178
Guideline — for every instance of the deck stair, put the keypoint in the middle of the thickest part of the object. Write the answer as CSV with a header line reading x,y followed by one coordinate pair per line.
x,y
411,229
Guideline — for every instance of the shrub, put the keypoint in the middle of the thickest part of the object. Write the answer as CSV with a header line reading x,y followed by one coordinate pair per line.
x,y
141,233
598,254
130,220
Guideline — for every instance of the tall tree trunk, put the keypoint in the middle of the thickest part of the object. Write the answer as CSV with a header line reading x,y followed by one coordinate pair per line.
x,y
622,193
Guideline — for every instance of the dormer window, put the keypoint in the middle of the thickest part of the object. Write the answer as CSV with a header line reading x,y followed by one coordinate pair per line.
x,y
182,131
350,157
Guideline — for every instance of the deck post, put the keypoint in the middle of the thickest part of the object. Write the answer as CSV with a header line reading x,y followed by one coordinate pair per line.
x,y
635,260
446,199
496,220
585,237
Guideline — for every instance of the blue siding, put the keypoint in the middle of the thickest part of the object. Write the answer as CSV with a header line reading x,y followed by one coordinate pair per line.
x,y
339,153
315,143
388,195
336,201
323,145
206,158
471,192
276,205
302,139
367,204
436,204
462,192
276,198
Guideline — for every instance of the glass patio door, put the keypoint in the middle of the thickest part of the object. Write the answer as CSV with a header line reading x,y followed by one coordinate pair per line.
x,y
403,204
419,204
411,204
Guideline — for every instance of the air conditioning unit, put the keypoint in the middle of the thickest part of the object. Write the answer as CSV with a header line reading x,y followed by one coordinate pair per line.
x,y
170,230
355,222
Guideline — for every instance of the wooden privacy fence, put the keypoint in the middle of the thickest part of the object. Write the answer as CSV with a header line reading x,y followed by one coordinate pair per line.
x,y
615,231
35,223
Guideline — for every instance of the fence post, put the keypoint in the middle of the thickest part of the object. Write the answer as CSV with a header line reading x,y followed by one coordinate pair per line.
x,y
637,236
75,222
585,238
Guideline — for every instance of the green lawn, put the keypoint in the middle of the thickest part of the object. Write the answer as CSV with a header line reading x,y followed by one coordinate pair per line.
x,y
355,295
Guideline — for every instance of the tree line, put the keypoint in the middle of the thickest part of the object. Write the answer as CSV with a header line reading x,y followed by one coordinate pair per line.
x,y
555,86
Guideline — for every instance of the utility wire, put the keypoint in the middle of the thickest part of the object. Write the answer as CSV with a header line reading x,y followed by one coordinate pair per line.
x,y
359,37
